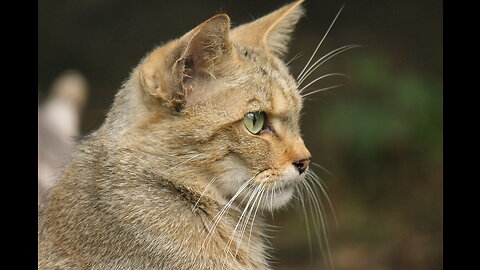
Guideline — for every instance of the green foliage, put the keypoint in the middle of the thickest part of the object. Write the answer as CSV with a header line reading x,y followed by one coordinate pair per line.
x,y
387,110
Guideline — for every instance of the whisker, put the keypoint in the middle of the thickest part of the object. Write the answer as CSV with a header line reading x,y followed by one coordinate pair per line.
x,y
322,89
174,167
255,214
320,43
203,193
224,210
242,216
323,168
247,219
301,198
294,58
320,214
318,202
324,76
324,59
317,180
272,192
315,218
313,200
257,199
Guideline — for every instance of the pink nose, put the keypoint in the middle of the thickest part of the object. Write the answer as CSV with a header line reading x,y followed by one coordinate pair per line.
x,y
302,165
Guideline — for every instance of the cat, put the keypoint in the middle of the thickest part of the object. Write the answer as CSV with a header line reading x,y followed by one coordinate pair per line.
x,y
204,134
58,125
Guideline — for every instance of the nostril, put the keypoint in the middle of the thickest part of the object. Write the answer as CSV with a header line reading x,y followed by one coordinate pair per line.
x,y
302,165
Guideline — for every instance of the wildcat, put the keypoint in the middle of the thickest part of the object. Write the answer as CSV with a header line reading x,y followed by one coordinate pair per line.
x,y
203,134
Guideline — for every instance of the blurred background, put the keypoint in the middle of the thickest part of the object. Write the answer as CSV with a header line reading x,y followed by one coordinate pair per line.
x,y
379,137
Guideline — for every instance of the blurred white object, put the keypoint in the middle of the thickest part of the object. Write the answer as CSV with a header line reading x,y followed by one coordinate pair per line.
x,y
58,125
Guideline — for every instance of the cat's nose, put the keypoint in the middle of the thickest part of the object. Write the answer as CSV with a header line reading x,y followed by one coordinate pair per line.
x,y
302,165
300,156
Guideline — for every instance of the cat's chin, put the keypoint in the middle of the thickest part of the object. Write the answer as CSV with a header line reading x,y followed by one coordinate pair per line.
x,y
267,198
280,192
281,197
273,192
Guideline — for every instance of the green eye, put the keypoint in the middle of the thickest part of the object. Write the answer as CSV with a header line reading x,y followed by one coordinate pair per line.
x,y
254,121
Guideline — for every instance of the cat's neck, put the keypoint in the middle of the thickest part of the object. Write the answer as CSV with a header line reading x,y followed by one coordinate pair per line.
x,y
229,228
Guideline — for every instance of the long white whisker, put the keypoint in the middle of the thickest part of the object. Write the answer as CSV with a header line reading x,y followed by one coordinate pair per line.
x,y
307,72
318,202
271,191
242,216
320,43
323,168
255,192
225,208
171,168
315,177
324,76
203,193
257,199
293,58
322,89
218,216
324,59
255,214
317,180
315,218
320,215
300,193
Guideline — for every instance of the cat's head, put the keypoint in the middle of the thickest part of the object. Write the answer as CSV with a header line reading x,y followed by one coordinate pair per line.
x,y
221,105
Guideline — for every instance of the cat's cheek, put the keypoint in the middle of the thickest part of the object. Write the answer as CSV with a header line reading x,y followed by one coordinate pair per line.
x,y
232,175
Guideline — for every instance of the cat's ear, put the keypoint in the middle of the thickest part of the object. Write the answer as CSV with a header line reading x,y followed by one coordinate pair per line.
x,y
168,73
271,32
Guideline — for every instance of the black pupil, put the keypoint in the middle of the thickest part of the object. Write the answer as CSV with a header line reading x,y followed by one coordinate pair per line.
x,y
254,119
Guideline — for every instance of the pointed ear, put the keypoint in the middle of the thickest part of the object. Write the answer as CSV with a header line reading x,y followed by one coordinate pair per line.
x,y
167,74
271,32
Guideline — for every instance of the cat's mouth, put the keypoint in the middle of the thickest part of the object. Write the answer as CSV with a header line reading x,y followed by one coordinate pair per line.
x,y
269,189
276,182
279,185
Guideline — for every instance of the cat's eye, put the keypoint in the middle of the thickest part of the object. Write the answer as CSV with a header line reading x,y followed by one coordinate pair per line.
x,y
254,122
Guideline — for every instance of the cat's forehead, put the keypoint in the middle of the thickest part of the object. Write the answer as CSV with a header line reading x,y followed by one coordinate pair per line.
x,y
272,81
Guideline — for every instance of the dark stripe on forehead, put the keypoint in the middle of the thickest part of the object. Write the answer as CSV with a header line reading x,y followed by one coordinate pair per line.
x,y
270,67
252,55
